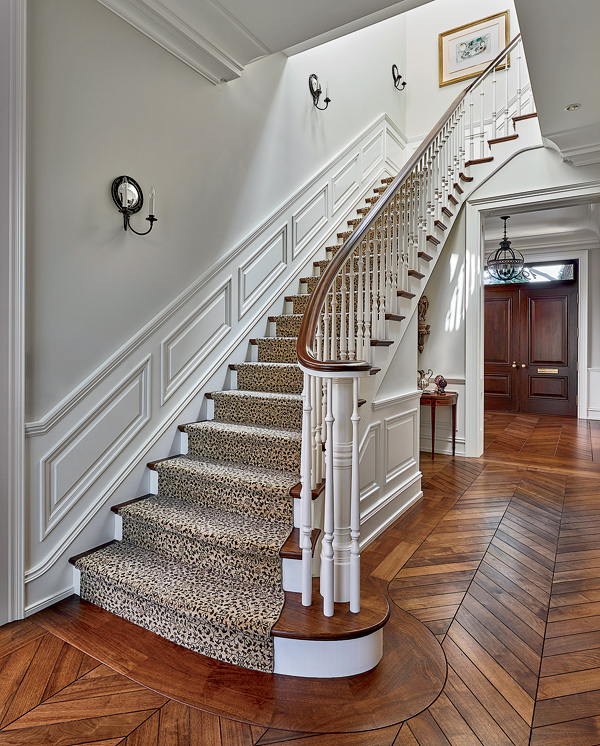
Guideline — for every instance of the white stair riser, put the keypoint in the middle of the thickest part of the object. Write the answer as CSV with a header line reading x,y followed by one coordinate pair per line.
x,y
328,659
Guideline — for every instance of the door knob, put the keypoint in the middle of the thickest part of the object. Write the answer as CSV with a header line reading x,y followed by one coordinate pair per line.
x,y
523,365
514,365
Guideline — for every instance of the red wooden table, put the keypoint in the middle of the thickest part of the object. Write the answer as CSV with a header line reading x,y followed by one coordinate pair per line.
x,y
434,400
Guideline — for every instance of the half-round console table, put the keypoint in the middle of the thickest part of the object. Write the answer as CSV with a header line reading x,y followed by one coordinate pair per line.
x,y
434,400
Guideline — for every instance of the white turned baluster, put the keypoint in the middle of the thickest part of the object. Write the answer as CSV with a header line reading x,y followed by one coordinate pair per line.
x,y
481,124
381,297
319,334
332,323
506,117
306,494
316,403
355,508
368,297
389,249
494,111
519,87
352,330
343,307
360,310
471,128
327,545
326,325
374,286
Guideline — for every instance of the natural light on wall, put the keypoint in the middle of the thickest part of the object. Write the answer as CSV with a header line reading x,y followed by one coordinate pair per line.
x,y
456,312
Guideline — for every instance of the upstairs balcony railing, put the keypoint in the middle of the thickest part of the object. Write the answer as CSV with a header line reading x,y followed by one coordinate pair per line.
x,y
360,291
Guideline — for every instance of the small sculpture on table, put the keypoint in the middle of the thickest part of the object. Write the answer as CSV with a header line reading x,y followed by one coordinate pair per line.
x,y
441,384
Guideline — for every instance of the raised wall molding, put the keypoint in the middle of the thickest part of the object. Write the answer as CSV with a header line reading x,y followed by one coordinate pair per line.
x,y
81,457
345,182
261,270
194,339
394,400
308,220
400,436
231,301
369,460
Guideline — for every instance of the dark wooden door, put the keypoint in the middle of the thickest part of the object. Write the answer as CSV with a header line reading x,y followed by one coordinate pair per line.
x,y
501,345
531,349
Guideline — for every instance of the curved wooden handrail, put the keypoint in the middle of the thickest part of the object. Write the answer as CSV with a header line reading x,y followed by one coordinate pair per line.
x,y
319,294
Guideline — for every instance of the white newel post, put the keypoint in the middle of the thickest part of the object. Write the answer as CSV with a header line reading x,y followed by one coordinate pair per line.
x,y
342,405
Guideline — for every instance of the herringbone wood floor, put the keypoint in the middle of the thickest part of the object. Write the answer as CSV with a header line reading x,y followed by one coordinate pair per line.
x,y
500,559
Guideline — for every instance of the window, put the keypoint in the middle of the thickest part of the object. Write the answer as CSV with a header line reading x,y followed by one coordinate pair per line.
x,y
536,273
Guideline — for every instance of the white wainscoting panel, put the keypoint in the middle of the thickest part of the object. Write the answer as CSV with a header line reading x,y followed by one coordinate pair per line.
x,y
307,221
390,476
345,183
400,437
194,339
373,153
80,458
89,452
262,269
593,410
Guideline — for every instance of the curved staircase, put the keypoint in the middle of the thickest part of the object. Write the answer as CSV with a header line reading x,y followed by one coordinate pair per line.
x,y
212,559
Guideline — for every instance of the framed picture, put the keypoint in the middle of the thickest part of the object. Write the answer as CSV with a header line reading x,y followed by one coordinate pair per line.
x,y
467,50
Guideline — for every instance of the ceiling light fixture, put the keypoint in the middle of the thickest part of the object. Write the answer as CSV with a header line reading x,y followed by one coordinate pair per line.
x,y
572,107
505,263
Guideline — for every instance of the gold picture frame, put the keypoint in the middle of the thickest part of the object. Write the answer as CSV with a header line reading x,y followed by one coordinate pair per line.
x,y
465,51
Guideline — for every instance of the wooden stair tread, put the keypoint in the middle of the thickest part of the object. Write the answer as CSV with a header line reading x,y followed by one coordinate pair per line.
x,y
476,161
116,508
405,294
440,225
152,464
394,317
72,560
381,342
447,212
291,548
299,622
464,177
414,273
521,117
296,490
433,239
423,255
458,187
502,139
453,199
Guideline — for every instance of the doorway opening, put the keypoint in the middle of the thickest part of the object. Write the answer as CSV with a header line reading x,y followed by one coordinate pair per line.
x,y
530,340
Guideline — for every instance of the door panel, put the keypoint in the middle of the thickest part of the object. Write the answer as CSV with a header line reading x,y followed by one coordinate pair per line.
x,y
548,330
501,348
549,350
536,329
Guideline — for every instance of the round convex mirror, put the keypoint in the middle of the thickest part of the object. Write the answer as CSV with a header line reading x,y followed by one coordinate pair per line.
x,y
127,193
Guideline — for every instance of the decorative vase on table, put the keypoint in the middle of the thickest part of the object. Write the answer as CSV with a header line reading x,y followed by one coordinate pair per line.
x,y
441,384
424,379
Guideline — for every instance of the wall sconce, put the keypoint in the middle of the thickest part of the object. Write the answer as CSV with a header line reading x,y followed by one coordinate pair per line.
x,y
128,197
315,91
398,78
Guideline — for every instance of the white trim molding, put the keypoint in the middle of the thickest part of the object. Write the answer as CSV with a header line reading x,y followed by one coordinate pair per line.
x,y
477,210
13,21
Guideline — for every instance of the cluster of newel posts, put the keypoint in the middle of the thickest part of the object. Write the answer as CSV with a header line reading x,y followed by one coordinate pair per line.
x,y
361,290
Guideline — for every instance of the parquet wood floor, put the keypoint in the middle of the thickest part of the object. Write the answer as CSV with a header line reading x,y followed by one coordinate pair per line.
x,y
500,560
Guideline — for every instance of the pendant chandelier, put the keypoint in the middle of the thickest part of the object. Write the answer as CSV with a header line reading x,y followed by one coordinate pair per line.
x,y
505,263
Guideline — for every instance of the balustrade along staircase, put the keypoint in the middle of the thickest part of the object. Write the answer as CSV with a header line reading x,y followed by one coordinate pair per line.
x,y
211,561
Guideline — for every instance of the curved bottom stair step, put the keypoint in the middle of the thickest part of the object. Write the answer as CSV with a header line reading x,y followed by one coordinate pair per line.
x,y
222,619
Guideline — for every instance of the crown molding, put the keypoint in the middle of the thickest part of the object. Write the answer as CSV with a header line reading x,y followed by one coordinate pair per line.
x,y
175,35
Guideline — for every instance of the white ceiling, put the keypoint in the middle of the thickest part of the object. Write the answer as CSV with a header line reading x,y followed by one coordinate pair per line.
x,y
218,38
563,56
574,226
